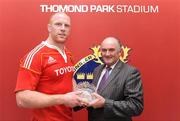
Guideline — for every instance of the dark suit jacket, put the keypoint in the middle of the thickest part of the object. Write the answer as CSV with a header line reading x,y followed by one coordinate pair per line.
x,y
123,94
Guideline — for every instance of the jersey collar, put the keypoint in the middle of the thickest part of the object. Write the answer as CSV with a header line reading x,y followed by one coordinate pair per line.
x,y
62,53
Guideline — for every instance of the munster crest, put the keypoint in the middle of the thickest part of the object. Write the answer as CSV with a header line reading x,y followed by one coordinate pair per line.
x,y
84,68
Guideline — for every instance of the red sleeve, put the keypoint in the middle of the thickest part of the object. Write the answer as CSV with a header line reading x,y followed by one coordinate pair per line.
x,y
26,80
32,62
29,72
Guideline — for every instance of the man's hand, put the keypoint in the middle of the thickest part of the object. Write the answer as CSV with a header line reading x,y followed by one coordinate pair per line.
x,y
72,99
98,102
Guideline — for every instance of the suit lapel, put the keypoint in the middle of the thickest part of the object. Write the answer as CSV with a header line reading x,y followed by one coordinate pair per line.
x,y
113,74
98,74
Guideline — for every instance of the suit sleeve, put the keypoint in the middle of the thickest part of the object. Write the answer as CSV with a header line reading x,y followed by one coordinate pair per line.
x,y
132,104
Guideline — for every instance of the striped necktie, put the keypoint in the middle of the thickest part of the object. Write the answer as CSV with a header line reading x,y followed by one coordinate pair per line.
x,y
104,79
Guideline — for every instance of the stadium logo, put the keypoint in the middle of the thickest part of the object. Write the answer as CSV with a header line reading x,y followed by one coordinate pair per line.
x,y
84,68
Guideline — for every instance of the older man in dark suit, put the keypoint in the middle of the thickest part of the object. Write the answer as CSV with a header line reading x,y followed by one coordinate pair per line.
x,y
119,88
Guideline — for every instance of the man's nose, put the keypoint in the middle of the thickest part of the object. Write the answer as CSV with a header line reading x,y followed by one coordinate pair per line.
x,y
62,27
107,52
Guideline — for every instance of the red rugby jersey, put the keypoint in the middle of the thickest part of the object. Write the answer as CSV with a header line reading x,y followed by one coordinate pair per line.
x,y
46,69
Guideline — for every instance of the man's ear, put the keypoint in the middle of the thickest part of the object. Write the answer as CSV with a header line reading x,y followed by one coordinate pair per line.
x,y
49,27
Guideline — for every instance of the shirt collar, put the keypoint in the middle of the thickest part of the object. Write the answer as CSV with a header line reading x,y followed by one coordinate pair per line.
x,y
113,65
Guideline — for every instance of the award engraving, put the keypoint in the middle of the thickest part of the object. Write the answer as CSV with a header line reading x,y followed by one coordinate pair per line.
x,y
87,89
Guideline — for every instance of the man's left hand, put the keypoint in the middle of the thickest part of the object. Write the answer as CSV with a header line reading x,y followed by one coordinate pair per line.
x,y
98,102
